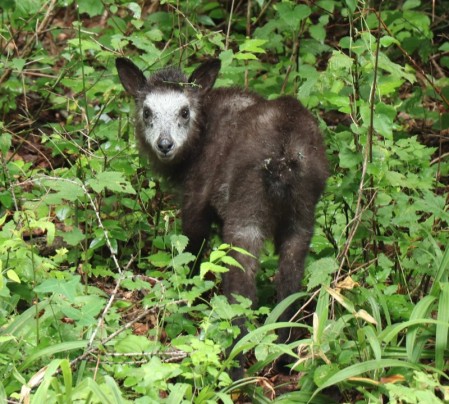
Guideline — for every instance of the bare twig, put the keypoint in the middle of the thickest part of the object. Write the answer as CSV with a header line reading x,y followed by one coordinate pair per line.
x,y
367,158
119,331
228,31
108,305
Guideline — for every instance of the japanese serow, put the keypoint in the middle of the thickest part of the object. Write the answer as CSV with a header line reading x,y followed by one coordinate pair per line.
x,y
256,167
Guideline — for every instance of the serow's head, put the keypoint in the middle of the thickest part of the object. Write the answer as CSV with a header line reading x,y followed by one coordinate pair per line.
x,y
167,104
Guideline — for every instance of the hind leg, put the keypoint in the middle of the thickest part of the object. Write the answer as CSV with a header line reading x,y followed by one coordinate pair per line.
x,y
250,238
293,248
236,281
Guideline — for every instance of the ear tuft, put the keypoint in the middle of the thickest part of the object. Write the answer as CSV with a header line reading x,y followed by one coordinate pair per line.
x,y
131,76
205,75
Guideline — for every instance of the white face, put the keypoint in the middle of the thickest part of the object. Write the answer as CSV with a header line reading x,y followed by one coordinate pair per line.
x,y
167,117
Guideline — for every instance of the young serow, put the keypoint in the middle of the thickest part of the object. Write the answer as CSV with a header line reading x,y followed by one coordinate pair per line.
x,y
255,166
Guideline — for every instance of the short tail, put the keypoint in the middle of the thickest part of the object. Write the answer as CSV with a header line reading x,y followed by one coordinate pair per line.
x,y
281,176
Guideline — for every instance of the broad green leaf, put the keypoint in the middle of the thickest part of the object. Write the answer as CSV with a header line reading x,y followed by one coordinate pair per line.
x,y
160,259
73,237
5,143
12,275
65,191
245,56
112,180
351,4
318,32
134,343
293,16
324,372
384,119
92,8
410,4
182,260
340,62
69,288
211,267
387,40
231,261
179,242
253,46
320,272
217,255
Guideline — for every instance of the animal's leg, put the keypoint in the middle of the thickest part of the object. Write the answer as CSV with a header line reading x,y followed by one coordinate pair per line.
x,y
196,223
250,238
293,248
240,282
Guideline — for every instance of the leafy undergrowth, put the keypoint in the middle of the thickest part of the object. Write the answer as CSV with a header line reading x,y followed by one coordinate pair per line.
x,y
97,302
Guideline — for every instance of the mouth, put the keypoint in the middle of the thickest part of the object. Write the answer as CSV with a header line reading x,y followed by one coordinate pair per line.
x,y
165,156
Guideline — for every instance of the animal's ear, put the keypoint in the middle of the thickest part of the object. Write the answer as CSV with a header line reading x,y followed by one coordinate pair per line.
x,y
205,75
130,75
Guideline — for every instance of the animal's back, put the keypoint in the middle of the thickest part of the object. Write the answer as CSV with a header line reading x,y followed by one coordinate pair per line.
x,y
260,147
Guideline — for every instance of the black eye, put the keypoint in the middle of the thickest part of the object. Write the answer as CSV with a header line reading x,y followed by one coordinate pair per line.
x,y
185,113
146,112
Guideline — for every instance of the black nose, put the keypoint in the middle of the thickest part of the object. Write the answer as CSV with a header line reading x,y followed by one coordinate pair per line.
x,y
165,145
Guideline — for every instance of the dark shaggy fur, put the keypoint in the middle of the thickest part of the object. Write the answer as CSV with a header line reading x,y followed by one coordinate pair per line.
x,y
257,167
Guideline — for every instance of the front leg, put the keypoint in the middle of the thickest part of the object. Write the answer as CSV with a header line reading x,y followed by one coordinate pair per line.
x,y
196,223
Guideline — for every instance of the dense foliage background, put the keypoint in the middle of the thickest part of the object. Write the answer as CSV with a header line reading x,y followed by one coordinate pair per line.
x,y
96,300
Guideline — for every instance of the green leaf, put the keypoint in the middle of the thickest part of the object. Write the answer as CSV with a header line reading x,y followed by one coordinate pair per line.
x,y
12,275
92,8
441,337
351,4
73,237
253,46
282,306
180,242
160,259
217,255
293,16
136,10
384,119
134,343
324,372
361,368
318,32
112,180
410,4
245,56
387,40
66,191
340,62
68,288
228,260
182,260
63,347
5,143
211,267
349,158
320,271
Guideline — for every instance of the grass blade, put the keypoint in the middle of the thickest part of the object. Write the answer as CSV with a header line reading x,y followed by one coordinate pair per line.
x,y
442,326
420,312
360,368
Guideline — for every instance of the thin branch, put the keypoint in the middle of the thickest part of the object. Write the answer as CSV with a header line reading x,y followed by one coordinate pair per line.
x,y
108,305
228,31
